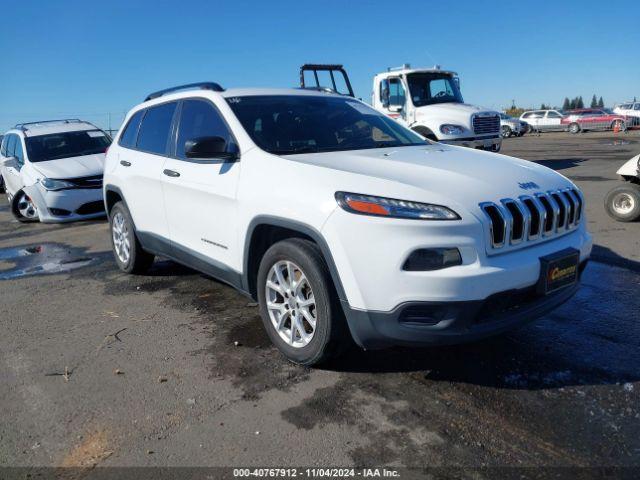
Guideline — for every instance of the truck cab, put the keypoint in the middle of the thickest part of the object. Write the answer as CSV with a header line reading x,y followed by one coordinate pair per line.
x,y
428,100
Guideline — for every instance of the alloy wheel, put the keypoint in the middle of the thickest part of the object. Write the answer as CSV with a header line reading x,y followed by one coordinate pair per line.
x,y
291,304
120,232
26,207
623,203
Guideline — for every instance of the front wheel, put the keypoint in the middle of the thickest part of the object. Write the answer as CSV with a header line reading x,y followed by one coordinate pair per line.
x,y
505,131
24,209
623,202
128,252
574,128
298,304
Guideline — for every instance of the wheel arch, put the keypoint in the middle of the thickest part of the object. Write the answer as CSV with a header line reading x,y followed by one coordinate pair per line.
x,y
263,231
426,132
112,195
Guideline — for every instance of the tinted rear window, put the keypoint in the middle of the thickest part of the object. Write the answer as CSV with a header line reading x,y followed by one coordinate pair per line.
x,y
66,145
154,131
128,137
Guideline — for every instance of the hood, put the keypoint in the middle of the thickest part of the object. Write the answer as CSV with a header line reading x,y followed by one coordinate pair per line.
x,y
461,174
452,112
84,166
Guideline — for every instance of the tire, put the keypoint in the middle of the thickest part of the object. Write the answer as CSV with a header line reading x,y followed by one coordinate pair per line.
x,y
623,202
23,209
320,342
574,128
2,187
505,131
128,252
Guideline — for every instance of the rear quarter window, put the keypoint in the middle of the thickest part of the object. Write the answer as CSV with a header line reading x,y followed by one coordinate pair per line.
x,y
153,136
130,133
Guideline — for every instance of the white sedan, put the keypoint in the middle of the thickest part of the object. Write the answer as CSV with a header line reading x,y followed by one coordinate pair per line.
x,y
53,170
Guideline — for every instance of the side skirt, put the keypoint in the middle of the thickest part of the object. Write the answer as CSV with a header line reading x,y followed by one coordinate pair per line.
x,y
185,256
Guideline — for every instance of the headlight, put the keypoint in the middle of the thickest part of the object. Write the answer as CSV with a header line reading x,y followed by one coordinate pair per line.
x,y
52,184
389,207
451,129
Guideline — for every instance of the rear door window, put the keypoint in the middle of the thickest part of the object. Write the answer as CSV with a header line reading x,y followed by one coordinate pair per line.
x,y
130,133
155,128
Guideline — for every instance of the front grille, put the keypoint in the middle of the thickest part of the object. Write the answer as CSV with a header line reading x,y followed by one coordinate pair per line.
x,y
485,124
91,207
532,217
94,181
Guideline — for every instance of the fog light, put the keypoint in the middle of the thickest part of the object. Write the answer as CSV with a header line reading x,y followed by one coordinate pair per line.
x,y
426,259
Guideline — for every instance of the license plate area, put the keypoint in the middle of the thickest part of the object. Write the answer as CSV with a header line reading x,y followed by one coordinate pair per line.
x,y
558,270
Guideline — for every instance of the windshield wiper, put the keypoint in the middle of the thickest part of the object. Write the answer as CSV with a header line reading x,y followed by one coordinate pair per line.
x,y
292,151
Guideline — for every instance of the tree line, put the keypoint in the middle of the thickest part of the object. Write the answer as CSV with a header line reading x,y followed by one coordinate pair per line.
x,y
577,102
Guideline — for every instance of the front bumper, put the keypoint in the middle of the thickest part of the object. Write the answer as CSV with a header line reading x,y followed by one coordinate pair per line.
x,y
67,205
492,142
369,253
448,323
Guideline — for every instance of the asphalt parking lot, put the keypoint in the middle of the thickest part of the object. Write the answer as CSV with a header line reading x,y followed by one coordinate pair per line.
x,y
173,368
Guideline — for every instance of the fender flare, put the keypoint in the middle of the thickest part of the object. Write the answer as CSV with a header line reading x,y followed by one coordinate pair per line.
x,y
299,227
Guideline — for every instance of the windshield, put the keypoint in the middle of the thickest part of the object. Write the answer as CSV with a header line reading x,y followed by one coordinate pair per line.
x,y
429,88
66,144
288,124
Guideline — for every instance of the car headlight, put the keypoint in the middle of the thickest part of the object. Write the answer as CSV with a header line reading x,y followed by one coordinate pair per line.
x,y
52,184
392,208
451,129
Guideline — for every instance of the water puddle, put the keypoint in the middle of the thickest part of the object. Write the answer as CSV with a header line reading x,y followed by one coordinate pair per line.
x,y
42,259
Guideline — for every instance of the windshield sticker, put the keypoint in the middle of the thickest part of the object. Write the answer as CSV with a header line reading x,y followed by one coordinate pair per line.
x,y
95,134
360,107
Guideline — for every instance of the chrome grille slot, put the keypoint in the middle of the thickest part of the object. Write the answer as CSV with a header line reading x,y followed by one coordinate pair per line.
x,y
517,221
536,217
486,124
571,217
563,207
550,214
498,224
529,218
578,199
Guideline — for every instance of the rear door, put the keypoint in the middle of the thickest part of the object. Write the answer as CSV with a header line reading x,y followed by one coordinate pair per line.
x,y
200,194
140,167
552,120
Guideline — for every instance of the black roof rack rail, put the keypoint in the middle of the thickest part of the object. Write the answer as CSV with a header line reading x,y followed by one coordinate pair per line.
x,y
62,120
198,85
325,67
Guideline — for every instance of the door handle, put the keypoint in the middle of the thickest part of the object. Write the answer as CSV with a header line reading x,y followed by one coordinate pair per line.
x,y
171,173
124,163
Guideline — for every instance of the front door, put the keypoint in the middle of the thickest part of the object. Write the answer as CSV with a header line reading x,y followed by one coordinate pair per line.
x,y
200,195
394,99
13,150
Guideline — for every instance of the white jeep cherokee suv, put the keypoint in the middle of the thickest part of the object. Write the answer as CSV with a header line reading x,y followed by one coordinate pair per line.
x,y
53,170
340,221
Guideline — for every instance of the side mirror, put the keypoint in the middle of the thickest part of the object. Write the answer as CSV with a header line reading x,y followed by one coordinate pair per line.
x,y
395,108
11,162
211,148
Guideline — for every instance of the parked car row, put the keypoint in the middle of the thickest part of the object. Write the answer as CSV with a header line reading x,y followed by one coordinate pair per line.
x,y
575,121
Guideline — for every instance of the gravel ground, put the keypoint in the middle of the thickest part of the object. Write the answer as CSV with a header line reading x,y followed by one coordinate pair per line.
x,y
174,369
